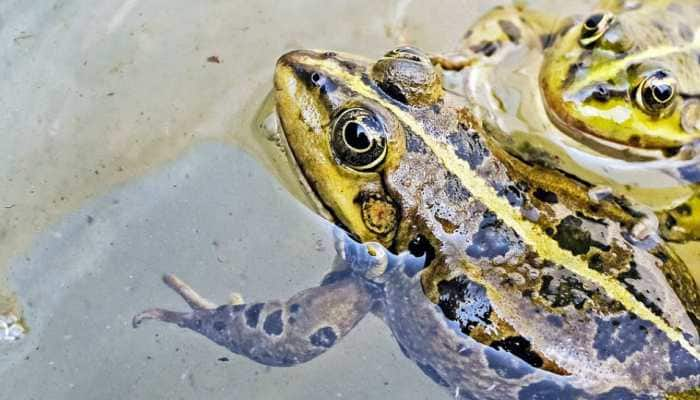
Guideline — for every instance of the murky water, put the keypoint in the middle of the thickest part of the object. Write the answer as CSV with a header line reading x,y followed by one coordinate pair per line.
x,y
132,148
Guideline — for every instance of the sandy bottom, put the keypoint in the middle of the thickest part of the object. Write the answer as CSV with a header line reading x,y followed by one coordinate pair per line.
x,y
85,278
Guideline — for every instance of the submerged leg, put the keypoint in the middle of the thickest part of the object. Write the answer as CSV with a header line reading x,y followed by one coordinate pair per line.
x,y
273,333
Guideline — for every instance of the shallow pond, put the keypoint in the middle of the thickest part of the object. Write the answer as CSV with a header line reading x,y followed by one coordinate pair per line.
x,y
132,148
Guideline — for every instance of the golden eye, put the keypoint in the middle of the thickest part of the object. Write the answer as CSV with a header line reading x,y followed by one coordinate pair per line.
x,y
656,93
594,27
358,139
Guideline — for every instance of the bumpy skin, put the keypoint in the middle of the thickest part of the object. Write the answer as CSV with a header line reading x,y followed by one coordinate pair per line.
x,y
530,289
589,91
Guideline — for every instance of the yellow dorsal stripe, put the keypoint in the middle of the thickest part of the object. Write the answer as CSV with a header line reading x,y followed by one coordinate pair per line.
x,y
530,233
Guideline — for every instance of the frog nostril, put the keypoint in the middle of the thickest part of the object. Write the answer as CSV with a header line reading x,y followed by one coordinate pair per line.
x,y
601,93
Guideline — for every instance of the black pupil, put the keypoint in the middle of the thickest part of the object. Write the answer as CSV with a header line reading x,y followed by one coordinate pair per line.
x,y
593,21
663,92
356,136
315,77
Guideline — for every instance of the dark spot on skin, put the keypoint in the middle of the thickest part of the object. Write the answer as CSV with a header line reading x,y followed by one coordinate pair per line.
x,y
294,308
572,237
683,364
566,291
511,30
414,144
507,366
393,91
455,190
620,337
433,374
486,47
252,314
548,390
219,326
513,194
469,147
273,323
519,347
684,210
90,219
547,40
491,240
633,274
465,302
324,337
625,204
546,196
595,262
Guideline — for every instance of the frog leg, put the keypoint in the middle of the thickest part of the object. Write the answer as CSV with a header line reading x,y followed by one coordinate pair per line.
x,y
503,30
273,333
683,222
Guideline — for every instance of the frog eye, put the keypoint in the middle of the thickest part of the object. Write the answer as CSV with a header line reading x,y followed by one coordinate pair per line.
x,y
594,27
656,93
358,139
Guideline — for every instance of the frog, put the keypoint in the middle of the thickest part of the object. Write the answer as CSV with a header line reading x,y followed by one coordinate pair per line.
x,y
611,94
499,278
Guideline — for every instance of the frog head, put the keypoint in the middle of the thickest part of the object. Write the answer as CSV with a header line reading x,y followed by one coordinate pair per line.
x,y
630,78
343,137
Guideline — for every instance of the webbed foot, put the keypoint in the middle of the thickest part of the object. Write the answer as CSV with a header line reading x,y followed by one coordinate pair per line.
x,y
273,333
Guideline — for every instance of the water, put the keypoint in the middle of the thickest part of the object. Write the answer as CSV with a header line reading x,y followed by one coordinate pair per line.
x,y
122,162
131,152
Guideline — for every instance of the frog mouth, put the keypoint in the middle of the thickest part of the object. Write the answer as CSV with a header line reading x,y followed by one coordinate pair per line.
x,y
578,131
311,194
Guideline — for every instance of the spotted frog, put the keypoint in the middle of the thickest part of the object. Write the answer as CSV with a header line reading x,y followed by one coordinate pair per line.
x,y
499,278
612,96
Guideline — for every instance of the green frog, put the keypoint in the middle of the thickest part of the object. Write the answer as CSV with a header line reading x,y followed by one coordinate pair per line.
x,y
499,278
613,95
